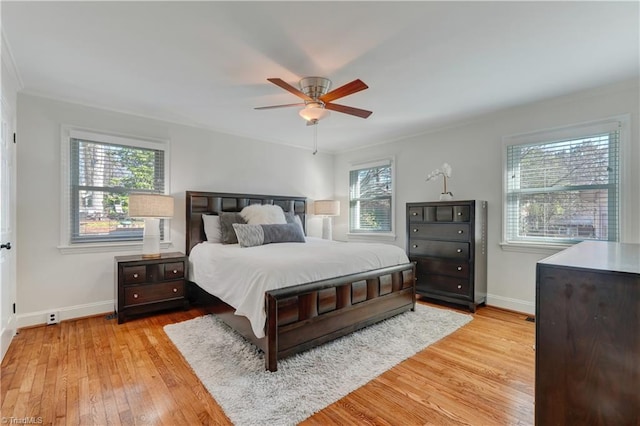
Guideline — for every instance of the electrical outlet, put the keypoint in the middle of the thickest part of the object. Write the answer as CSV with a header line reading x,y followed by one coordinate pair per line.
x,y
52,318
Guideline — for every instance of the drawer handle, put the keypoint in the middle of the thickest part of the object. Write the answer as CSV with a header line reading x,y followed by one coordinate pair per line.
x,y
415,246
459,268
175,271
415,229
459,285
414,214
460,231
459,250
135,295
135,275
459,213
175,290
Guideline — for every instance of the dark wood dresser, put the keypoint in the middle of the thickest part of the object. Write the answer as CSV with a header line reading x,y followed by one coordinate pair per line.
x,y
448,242
588,336
148,285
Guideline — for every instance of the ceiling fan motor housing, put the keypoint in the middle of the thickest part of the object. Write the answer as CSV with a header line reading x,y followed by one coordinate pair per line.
x,y
314,87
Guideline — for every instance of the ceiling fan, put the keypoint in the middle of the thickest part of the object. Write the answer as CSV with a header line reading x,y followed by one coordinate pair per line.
x,y
317,98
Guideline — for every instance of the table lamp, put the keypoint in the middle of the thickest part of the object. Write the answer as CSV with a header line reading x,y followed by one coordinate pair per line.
x,y
152,208
326,209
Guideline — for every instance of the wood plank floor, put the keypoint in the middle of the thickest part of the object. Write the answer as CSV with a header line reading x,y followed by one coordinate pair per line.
x,y
93,371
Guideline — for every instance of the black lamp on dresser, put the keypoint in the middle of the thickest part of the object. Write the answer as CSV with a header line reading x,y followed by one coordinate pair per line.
x,y
448,242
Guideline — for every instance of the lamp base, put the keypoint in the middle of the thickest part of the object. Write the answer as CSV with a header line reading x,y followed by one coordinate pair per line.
x,y
152,256
326,228
151,238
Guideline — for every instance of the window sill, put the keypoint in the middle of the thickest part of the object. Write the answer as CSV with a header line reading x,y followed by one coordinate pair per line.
x,y
539,248
107,247
383,236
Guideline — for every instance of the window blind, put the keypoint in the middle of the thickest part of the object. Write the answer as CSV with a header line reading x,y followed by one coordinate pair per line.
x,y
370,199
564,190
101,177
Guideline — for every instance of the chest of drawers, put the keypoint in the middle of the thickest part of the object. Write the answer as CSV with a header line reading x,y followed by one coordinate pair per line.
x,y
149,285
448,242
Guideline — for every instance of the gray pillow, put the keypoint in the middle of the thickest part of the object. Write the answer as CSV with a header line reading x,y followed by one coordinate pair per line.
x,y
257,235
228,234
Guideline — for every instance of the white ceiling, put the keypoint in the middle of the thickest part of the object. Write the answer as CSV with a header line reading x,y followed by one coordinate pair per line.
x,y
427,64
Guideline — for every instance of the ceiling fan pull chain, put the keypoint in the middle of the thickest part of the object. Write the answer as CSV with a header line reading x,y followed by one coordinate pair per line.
x,y
315,139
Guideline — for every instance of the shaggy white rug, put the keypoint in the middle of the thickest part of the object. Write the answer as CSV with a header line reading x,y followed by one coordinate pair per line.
x,y
233,369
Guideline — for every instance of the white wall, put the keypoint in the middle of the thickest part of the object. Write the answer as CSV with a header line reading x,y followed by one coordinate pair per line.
x,y
474,150
83,284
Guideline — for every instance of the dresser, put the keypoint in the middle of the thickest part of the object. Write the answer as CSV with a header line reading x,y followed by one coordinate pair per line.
x,y
448,242
588,336
145,285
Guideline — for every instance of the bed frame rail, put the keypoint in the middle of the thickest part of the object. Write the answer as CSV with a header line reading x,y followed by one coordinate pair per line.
x,y
308,315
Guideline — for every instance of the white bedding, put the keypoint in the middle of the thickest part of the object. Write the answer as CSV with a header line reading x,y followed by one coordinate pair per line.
x,y
240,276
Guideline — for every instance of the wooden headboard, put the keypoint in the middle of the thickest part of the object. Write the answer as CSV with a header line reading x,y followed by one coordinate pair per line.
x,y
199,203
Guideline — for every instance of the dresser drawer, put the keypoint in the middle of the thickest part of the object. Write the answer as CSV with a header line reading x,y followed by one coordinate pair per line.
x,y
416,214
174,271
134,274
136,295
452,268
442,284
455,250
443,231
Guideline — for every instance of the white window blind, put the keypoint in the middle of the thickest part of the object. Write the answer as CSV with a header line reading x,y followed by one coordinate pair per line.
x,y
564,190
370,198
103,171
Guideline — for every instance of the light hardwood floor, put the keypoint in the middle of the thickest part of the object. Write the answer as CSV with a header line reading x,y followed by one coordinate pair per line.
x,y
93,371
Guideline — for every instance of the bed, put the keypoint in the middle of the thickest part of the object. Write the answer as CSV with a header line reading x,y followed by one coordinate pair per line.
x,y
304,315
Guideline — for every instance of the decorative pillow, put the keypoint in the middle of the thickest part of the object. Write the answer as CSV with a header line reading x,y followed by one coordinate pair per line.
x,y
291,217
257,235
212,227
263,214
228,234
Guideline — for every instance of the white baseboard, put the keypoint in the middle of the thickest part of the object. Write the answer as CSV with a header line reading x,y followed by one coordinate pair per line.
x,y
66,313
6,335
516,305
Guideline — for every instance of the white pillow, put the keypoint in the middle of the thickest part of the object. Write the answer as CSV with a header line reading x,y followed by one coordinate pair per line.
x,y
263,214
212,228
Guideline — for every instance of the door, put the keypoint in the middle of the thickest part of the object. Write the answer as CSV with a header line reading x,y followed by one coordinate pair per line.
x,y
7,230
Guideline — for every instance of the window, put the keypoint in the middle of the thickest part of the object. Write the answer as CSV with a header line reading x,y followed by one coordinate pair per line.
x,y
563,186
102,171
371,198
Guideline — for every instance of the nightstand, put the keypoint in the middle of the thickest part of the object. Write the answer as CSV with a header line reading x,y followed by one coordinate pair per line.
x,y
149,285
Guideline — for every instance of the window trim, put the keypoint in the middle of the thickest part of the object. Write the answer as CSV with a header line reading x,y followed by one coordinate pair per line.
x,y
68,132
578,130
383,235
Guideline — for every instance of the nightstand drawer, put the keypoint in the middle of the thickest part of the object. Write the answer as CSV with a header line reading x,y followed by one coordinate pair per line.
x,y
174,271
136,295
134,274
438,249
442,284
444,231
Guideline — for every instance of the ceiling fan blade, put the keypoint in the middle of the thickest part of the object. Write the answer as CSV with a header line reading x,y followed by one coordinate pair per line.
x,y
286,86
280,106
362,113
342,91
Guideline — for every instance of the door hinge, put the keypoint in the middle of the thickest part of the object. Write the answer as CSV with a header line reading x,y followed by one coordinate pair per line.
x,y
14,308
14,137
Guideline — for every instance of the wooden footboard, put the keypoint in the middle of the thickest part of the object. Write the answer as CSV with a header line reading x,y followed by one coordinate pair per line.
x,y
308,315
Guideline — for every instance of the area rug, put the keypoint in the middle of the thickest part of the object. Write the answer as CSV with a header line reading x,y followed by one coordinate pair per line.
x,y
232,369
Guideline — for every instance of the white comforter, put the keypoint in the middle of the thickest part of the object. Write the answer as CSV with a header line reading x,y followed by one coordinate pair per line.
x,y
240,276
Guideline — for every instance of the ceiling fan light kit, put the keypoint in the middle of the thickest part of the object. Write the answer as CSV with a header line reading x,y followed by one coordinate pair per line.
x,y
317,97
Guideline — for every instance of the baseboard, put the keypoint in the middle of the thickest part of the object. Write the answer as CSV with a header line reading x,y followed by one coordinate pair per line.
x,y
516,305
6,335
66,313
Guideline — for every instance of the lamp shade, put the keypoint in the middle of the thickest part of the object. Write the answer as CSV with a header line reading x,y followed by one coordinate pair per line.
x,y
326,207
150,205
